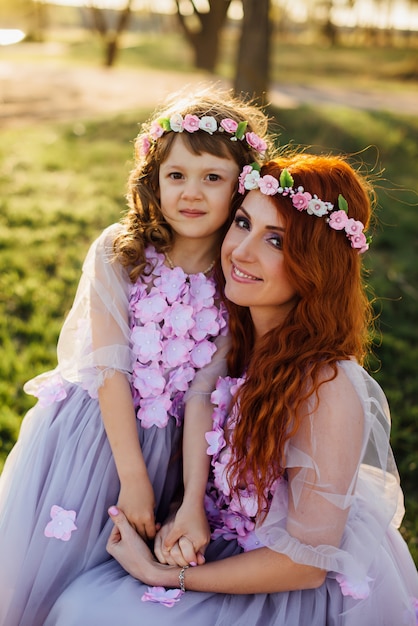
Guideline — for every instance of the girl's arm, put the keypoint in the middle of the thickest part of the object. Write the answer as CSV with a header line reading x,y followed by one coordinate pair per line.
x,y
136,497
185,540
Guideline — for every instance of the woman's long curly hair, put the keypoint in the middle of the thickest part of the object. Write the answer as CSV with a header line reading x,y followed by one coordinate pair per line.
x,y
330,321
144,222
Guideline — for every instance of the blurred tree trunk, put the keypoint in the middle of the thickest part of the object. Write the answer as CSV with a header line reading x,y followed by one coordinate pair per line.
x,y
205,38
111,35
252,75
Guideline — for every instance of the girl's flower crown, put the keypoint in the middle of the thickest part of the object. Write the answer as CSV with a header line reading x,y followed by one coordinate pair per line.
x,y
192,123
304,201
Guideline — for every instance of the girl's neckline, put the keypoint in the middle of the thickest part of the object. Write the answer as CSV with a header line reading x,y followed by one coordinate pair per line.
x,y
205,272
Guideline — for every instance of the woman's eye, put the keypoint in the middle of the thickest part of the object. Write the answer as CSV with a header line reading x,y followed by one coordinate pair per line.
x,y
276,241
242,222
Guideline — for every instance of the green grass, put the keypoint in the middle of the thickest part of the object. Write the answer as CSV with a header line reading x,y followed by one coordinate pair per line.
x,y
63,183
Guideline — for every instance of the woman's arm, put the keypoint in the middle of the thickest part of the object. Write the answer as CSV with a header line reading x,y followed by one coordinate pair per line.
x,y
258,571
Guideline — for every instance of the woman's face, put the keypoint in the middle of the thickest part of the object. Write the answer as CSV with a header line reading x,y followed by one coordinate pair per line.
x,y
253,263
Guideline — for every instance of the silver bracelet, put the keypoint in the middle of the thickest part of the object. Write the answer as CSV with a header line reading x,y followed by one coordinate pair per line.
x,y
181,578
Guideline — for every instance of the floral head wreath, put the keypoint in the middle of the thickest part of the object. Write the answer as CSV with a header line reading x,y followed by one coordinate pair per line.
x,y
304,201
192,123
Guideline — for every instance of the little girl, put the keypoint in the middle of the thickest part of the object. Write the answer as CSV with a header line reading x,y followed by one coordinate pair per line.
x,y
146,318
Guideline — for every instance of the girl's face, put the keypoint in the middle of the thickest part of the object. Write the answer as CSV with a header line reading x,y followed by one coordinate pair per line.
x,y
196,191
253,263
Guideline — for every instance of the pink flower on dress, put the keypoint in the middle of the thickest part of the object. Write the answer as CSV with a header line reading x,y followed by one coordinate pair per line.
x,y
146,342
154,411
201,292
202,353
301,199
191,123
162,596
359,590
179,378
240,524
178,320
249,541
256,142
148,380
50,391
151,308
208,124
222,394
206,323
171,283
216,441
338,220
176,351
246,503
62,523
268,185
229,125
219,474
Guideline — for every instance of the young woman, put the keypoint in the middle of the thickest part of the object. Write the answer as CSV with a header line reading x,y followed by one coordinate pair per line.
x,y
145,319
303,498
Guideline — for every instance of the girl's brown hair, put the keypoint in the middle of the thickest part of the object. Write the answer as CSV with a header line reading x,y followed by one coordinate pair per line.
x,y
330,321
144,223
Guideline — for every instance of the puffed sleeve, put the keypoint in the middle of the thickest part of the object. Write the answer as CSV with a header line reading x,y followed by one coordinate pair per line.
x,y
95,338
343,487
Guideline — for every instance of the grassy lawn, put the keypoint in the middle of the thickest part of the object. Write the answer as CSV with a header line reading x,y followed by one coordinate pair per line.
x,y
61,187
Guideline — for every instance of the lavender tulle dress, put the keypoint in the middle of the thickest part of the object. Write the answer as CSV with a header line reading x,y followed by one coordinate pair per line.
x,y
60,478
358,506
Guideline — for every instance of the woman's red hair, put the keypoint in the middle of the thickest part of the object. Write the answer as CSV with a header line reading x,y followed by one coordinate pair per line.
x,y
331,320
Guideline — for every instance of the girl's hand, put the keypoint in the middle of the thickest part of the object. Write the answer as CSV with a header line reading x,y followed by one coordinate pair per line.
x,y
136,499
183,540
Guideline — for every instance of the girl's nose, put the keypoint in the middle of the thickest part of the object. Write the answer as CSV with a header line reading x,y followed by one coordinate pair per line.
x,y
192,190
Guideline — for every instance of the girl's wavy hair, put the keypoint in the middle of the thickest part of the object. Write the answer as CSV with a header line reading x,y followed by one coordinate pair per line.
x,y
144,222
331,320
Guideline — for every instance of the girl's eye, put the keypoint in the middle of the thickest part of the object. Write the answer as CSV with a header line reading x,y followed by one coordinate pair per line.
x,y
276,241
176,175
242,222
213,177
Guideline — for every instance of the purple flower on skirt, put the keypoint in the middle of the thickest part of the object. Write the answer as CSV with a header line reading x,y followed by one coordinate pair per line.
x,y
162,596
62,523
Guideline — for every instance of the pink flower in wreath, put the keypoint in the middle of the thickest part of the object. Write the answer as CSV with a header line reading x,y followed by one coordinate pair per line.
x,y
256,142
301,199
229,125
208,124
353,227
268,185
61,525
160,595
191,123
359,242
145,145
338,220
156,130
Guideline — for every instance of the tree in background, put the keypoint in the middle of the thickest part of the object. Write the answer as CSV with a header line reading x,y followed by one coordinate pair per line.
x,y
202,30
111,34
252,75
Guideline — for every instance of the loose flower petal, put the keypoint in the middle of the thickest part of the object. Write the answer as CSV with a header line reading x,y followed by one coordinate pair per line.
x,y
61,525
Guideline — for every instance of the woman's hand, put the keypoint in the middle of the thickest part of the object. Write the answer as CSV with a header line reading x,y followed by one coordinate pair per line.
x,y
136,499
184,538
129,549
